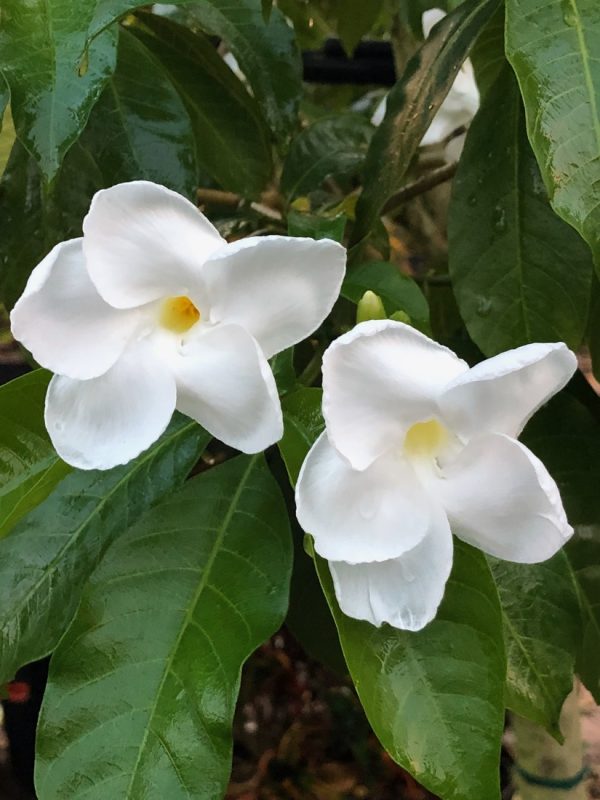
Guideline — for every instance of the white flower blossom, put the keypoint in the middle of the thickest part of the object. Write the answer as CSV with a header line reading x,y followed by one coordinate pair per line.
x,y
152,310
418,445
458,108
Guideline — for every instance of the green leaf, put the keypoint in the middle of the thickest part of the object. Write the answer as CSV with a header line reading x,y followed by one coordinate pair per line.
x,y
566,437
53,75
398,291
49,555
29,466
316,226
330,147
583,554
284,373
140,128
520,274
435,698
487,55
265,50
553,48
355,18
142,688
217,103
542,631
413,103
303,424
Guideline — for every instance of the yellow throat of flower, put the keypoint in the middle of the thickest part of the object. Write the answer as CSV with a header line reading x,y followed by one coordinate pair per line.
x,y
426,439
178,314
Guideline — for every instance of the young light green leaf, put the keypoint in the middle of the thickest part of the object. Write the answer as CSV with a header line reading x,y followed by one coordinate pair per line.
x,y
49,555
398,291
520,274
217,103
412,105
142,688
54,71
553,48
330,147
29,466
542,631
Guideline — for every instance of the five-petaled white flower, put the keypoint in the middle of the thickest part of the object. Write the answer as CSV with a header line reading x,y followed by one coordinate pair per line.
x,y
416,445
152,310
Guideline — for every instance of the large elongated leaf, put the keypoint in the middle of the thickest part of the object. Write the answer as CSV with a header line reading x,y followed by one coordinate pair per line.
x,y
413,103
542,632
140,127
142,689
29,466
553,47
265,50
49,555
520,274
332,146
54,76
217,104
434,698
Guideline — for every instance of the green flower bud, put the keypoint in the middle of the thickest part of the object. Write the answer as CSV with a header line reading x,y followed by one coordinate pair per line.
x,y
370,306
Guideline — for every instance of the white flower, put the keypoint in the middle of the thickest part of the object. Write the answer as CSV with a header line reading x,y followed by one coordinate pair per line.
x,y
417,444
458,108
152,310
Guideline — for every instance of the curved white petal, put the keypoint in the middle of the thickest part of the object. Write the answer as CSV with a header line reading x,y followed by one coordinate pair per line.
x,y
500,498
359,516
225,383
143,242
503,392
62,320
378,380
279,288
431,17
405,591
105,421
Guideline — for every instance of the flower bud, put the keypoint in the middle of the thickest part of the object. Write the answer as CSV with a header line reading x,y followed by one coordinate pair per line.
x,y
370,306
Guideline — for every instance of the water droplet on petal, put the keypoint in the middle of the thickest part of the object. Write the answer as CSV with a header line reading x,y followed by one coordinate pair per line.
x,y
367,506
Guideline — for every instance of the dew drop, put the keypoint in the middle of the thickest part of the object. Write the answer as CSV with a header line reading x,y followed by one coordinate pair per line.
x,y
484,306
472,199
499,219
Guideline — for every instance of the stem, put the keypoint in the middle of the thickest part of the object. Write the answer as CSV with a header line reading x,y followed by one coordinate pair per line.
x,y
420,186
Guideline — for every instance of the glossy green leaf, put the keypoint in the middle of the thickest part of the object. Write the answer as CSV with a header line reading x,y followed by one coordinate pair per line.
x,y
398,291
218,105
355,19
583,555
542,631
487,56
29,466
553,47
54,76
265,50
566,437
142,688
140,128
48,556
412,105
284,373
330,147
316,226
7,137
593,334
435,698
520,274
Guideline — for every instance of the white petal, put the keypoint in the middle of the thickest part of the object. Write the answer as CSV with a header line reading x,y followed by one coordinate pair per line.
x,y
405,591
458,108
143,242
62,320
279,288
500,498
378,380
109,420
502,393
430,18
357,516
225,383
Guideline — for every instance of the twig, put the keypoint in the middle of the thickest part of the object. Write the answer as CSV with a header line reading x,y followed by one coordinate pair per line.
x,y
420,186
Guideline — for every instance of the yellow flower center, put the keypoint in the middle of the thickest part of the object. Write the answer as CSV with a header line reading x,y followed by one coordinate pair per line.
x,y
426,439
178,314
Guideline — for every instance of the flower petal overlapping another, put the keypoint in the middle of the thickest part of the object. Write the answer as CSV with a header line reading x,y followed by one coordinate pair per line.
x,y
418,446
152,310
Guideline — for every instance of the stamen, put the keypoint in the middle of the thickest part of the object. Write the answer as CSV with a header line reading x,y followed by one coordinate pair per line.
x,y
426,439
